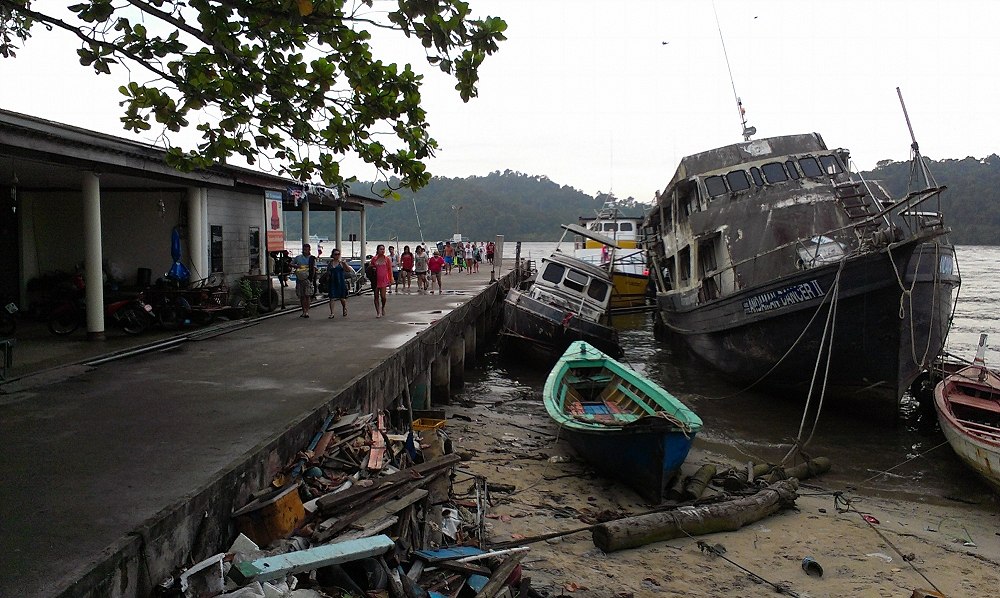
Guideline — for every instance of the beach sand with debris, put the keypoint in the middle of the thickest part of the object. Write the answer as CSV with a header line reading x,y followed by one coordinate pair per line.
x,y
953,547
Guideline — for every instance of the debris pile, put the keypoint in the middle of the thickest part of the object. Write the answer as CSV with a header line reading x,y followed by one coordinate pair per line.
x,y
364,510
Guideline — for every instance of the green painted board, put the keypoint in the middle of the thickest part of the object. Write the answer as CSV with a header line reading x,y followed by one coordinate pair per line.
x,y
275,567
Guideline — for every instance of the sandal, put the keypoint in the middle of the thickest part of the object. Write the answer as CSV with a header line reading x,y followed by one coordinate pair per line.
x,y
345,312
330,317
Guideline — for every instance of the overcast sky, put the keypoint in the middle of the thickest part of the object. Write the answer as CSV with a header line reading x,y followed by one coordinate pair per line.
x,y
608,96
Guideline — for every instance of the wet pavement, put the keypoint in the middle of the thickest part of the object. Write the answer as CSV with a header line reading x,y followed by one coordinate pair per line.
x,y
94,448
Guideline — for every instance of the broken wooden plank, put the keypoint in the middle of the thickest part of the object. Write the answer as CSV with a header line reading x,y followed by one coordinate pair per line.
x,y
376,456
275,567
368,530
467,568
499,577
358,494
363,514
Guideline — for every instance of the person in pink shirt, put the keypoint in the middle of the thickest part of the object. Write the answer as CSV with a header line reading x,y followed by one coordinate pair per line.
x,y
383,279
434,265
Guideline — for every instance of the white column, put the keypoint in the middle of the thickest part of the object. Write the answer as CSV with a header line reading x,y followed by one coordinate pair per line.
x,y
305,223
339,231
29,245
92,255
362,237
203,252
196,233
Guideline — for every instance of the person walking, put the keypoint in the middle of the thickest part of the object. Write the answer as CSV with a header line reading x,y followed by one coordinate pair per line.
x,y
449,258
470,260
305,273
406,267
338,273
394,260
383,279
490,249
477,256
420,267
434,266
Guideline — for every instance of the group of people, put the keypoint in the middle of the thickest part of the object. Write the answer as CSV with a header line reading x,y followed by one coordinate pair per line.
x,y
385,271
467,256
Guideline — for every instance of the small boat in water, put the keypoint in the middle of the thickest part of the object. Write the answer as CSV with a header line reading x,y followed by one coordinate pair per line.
x,y
567,300
629,273
968,409
625,425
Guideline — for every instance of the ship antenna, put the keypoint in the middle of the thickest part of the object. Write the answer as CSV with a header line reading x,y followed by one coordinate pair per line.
x,y
747,131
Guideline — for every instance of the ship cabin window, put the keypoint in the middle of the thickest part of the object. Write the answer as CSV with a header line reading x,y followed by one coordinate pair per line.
x,y
716,186
575,280
755,175
625,226
830,164
598,290
738,181
610,227
774,172
684,267
554,273
792,171
595,226
810,167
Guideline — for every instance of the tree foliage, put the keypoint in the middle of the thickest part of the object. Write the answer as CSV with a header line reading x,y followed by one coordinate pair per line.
x,y
290,81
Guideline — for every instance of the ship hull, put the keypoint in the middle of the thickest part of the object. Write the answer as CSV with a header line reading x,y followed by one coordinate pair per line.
x,y
770,336
542,332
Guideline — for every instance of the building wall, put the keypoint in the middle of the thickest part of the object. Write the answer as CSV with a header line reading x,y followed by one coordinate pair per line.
x,y
135,232
236,212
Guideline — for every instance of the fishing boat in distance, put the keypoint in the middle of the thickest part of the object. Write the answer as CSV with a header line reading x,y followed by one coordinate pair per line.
x,y
565,301
629,274
967,403
625,425
778,267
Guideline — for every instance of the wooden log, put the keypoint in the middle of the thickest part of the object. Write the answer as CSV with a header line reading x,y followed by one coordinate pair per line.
x,y
802,471
695,486
724,516
738,479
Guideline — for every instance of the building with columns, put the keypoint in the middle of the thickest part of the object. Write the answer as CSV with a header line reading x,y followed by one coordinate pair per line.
x,y
72,198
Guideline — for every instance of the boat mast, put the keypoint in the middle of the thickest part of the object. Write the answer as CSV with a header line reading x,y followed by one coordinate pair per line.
x,y
748,132
918,160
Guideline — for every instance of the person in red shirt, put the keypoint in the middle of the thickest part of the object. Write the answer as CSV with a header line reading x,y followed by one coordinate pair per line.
x,y
406,266
383,279
434,265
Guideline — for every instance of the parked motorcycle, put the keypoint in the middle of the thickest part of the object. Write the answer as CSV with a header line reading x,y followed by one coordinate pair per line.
x,y
132,315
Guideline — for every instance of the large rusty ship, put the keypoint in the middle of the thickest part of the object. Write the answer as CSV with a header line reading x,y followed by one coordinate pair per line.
x,y
783,270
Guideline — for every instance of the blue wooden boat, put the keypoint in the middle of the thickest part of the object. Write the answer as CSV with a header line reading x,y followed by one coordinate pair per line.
x,y
625,425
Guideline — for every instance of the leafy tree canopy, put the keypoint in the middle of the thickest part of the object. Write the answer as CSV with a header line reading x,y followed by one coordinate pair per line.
x,y
293,81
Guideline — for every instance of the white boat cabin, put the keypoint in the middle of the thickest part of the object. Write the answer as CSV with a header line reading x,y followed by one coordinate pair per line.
x,y
573,285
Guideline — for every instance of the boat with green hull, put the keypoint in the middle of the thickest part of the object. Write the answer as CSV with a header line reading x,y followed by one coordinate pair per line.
x,y
625,425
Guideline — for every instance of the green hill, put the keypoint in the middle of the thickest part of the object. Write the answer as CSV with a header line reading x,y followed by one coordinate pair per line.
x,y
520,206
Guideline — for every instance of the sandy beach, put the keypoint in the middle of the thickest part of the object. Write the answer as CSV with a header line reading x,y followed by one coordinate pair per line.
x,y
954,547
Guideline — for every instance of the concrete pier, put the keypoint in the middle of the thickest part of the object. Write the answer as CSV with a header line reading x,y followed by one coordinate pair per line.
x,y
116,473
